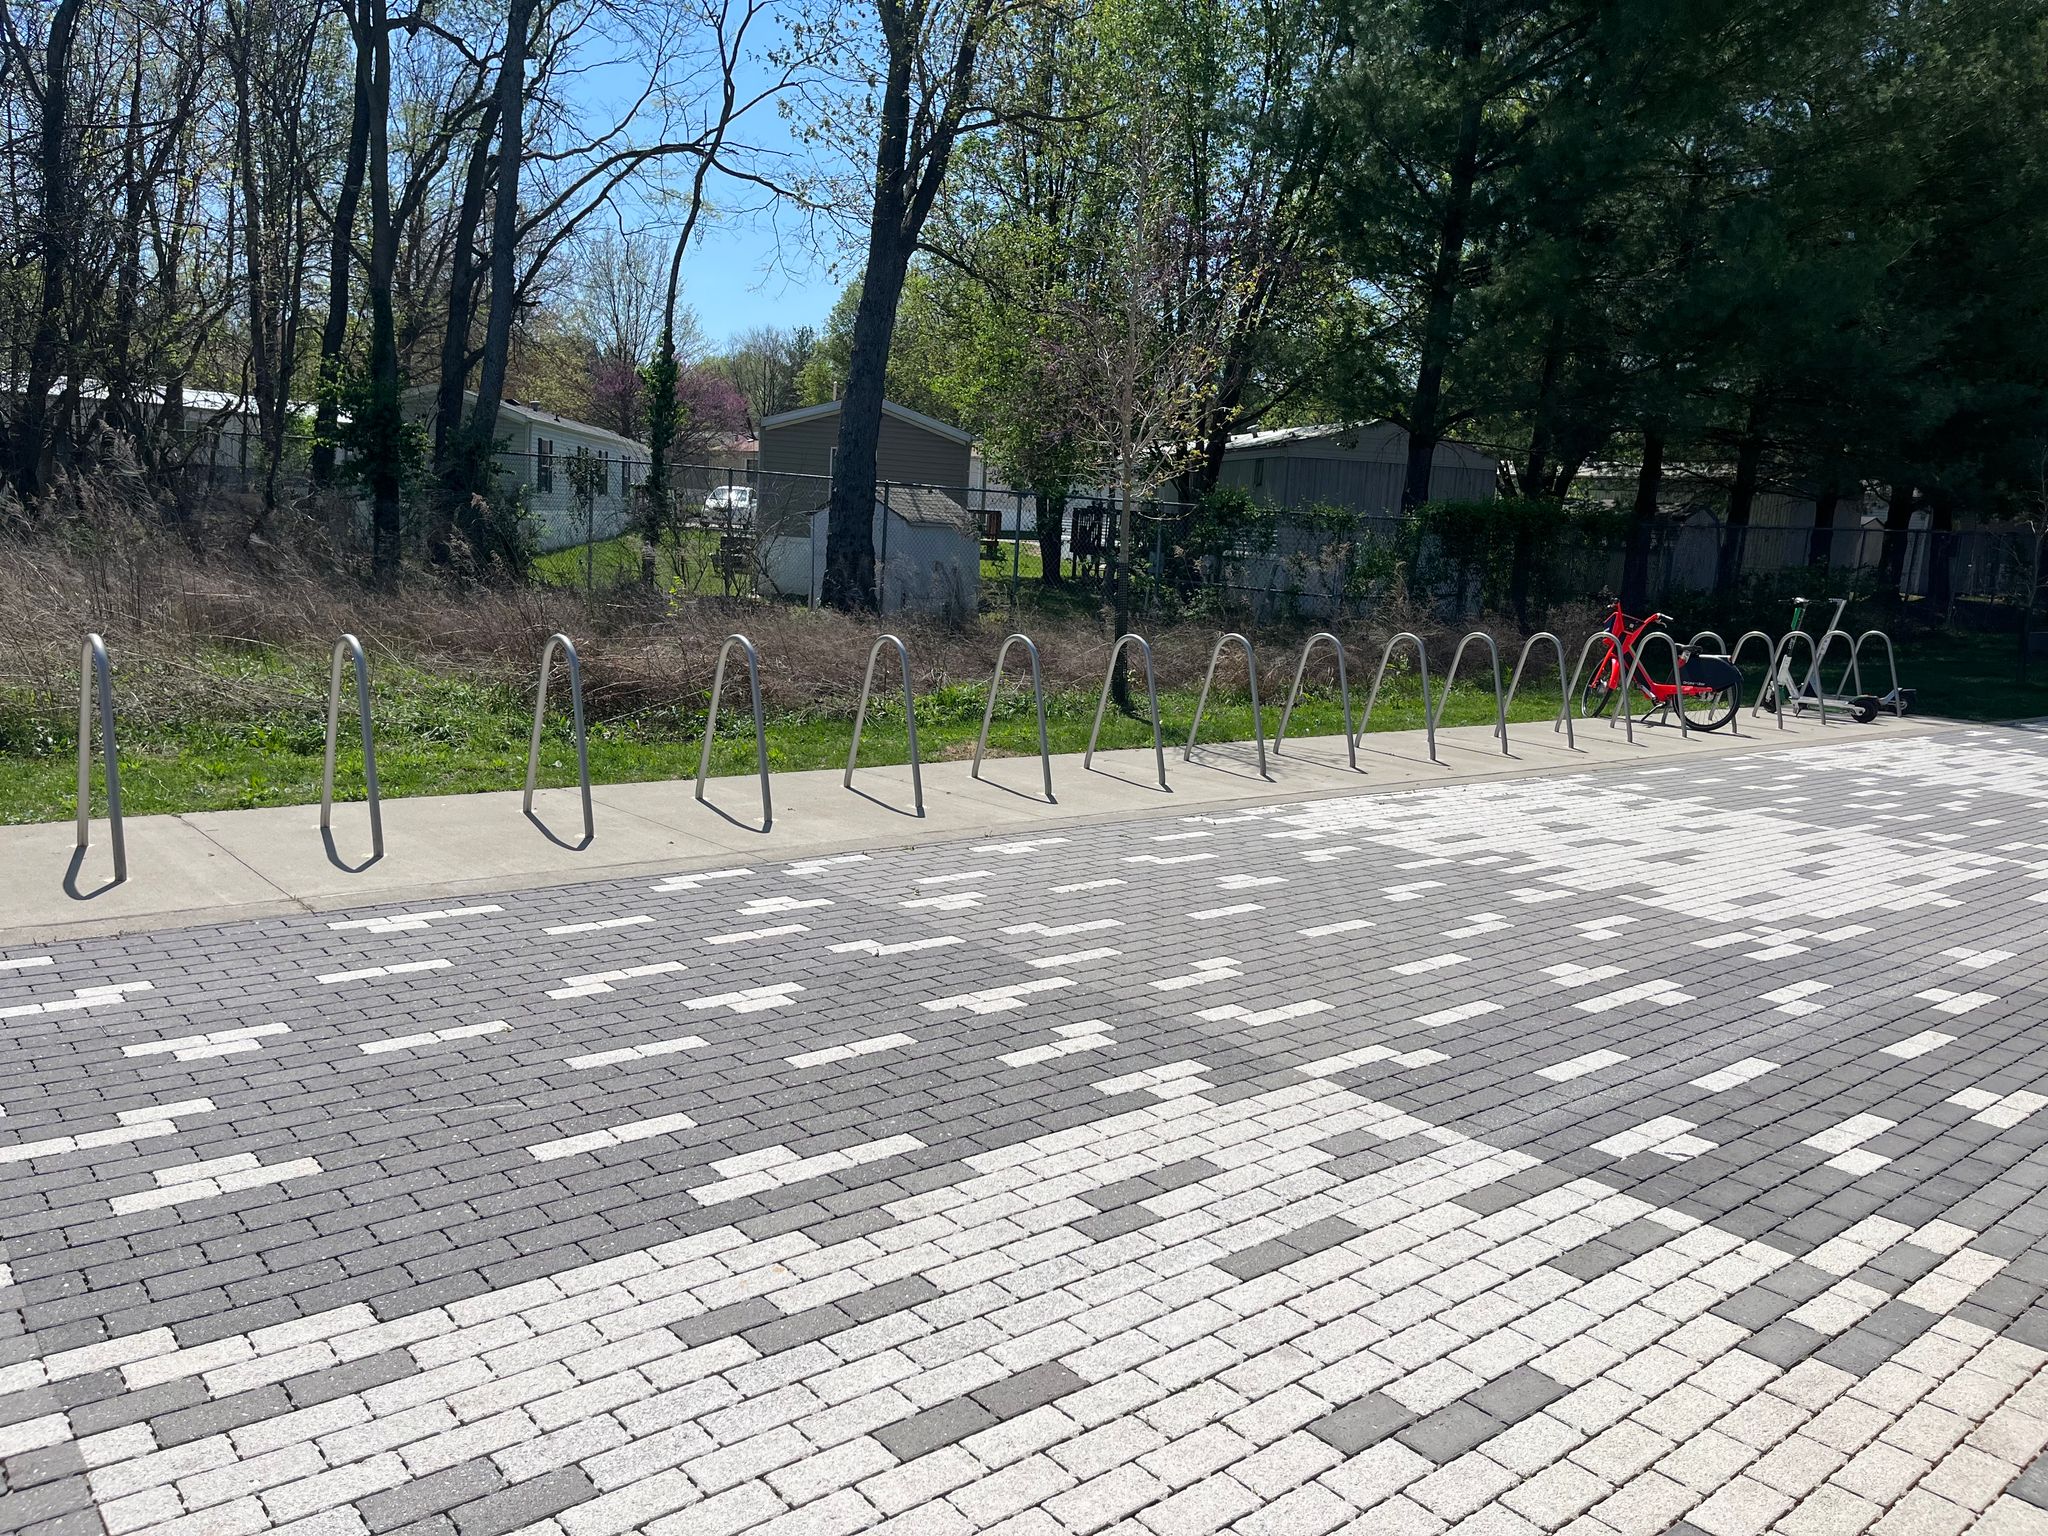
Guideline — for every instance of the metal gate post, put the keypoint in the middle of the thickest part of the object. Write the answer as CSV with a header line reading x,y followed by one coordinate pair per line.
x,y
1251,664
1343,688
1443,693
1151,691
350,646
909,714
1422,661
760,725
540,713
93,669
989,713
1564,709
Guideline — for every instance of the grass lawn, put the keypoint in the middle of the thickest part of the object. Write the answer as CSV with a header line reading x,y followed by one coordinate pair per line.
x,y
443,735
437,735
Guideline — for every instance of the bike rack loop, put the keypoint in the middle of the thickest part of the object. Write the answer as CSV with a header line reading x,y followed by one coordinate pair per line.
x,y
1422,661
1628,683
1708,634
1343,688
1251,667
1500,706
1820,654
760,725
1735,660
93,668
988,714
540,714
1151,691
349,645
909,713
1564,710
1614,649
1777,687
1891,660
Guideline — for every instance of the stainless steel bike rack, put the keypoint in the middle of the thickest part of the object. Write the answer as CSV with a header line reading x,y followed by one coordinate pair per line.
x,y
1500,705
540,714
349,645
1735,660
1343,687
1422,661
1628,684
1855,673
989,713
1720,645
760,725
1564,708
93,669
1151,691
1776,684
1598,637
909,714
1251,666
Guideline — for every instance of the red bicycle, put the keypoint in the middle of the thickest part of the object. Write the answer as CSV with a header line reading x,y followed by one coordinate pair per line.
x,y
1708,689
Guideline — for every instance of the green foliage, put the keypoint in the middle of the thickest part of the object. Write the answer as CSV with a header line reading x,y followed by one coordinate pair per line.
x,y
371,430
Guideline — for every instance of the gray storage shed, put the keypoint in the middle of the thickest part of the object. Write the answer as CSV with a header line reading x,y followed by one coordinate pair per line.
x,y
927,554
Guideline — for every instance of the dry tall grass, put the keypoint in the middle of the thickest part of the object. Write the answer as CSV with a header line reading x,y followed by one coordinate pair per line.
x,y
163,604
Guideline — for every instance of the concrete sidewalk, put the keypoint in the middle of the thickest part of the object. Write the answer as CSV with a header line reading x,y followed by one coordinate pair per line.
x,y
216,865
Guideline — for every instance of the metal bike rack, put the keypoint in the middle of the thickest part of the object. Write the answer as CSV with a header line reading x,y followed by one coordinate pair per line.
x,y
93,669
1422,661
540,714
1776,684
909,714
1251,666
1151,691
1855,673
989,713
760,725
1628,684
1343,687
1720,645
1500,705
1735,660
1564,708
1820,654
349,645
1598,637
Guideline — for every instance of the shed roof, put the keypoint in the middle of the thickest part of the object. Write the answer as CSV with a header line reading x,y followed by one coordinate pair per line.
x,y
923,507
902,413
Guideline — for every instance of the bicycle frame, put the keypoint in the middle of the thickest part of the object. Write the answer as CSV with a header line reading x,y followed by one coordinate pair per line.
x,y
1622,663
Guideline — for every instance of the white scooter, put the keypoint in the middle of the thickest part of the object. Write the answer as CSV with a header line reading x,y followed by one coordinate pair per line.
x,y
1862,707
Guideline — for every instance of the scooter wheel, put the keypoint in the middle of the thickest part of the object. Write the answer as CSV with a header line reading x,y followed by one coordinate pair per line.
x,y
1864,706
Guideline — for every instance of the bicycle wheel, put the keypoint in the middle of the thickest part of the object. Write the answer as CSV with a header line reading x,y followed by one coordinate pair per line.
x,y
1708,709
1596,697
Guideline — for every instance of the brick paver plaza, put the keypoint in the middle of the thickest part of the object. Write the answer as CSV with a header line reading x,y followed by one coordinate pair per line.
x,y
1636,1151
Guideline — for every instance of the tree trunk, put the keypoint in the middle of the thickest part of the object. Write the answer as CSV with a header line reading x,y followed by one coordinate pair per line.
x,y
256,249
453,462
849,525
1941,523
341,243
1827,500
1635,566
1898,522
511,105
54,242
1749,455
1536,467
1423,418
1052,513
384,430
